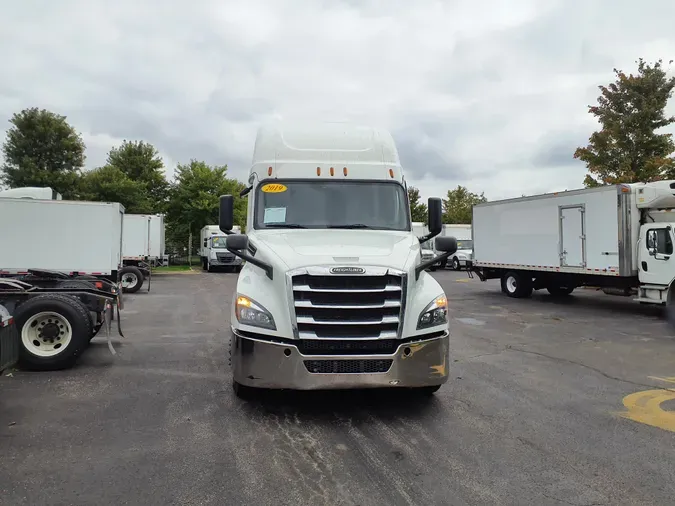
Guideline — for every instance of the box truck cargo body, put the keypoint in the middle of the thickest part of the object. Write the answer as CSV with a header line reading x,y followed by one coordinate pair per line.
x,y
60,235
617,237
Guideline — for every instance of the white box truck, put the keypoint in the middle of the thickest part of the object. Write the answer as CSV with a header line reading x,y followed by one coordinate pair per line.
x,y
57,280
618,237
213,249
462,257
334,293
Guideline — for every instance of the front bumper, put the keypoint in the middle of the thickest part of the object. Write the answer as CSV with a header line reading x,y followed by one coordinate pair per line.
x,y
218,263
257,362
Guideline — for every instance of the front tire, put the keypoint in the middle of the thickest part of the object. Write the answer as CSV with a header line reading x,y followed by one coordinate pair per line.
x,y
244,392
54,329
132,279
455,264
517,284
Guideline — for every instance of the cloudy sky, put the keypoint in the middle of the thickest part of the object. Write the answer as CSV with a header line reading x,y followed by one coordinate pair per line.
x,y
492,95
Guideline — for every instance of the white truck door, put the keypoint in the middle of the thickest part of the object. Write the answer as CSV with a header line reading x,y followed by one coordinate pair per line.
x,y
657,265
572,238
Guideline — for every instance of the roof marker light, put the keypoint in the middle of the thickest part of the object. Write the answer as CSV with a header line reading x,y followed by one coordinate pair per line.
x,y
318,171
332,171
391,173
269,171
344,170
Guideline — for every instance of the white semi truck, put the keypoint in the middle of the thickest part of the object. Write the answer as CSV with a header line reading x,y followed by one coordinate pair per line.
x,y
213,249
333,294
58,281
618,237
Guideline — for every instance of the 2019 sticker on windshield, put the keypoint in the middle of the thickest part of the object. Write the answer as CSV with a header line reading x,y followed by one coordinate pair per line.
x,y
275,215
274,188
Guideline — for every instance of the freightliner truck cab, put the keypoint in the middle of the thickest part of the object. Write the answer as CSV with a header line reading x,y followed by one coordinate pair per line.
x,y
333,294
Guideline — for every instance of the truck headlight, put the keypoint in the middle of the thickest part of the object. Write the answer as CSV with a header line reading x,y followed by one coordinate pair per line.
x,y
251,313
435,314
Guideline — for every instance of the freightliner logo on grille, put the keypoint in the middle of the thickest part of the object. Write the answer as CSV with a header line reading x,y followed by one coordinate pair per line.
x,y
347,270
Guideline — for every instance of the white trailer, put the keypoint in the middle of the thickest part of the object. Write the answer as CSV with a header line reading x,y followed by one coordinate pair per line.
x,y
616,237
156,246
57,279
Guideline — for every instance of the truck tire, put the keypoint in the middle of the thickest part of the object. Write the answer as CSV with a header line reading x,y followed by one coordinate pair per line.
x,y
243,392
132,279
54,329
455,264
559,291
76,283
516,284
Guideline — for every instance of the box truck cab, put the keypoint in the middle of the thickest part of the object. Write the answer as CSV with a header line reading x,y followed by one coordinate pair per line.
x,y
462,257
617,237
333,293
426,252
218,256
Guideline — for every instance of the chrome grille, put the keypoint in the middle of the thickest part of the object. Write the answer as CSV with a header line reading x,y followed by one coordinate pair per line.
x,y
345,306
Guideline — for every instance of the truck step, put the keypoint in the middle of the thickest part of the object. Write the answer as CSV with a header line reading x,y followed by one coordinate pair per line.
x,y
643,300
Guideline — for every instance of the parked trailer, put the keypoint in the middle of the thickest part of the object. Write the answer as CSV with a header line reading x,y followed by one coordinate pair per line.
x,y
50,269
462,257
617,237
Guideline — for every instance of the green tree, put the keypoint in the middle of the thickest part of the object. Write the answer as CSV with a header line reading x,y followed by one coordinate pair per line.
x,y
42,149
141,162
418,209
630,110
458,205
110,184
194,200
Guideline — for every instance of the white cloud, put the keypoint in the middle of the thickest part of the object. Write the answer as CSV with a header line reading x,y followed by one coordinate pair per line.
x,y
490,95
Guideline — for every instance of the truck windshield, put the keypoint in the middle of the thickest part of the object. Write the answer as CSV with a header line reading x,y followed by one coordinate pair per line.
x,y
328,204
219,242
464,244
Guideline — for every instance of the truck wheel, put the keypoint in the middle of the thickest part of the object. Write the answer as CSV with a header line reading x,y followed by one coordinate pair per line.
x,y
85,299
455,264
558,291
427,391
516,285
243,392
208,266
54,330
132,279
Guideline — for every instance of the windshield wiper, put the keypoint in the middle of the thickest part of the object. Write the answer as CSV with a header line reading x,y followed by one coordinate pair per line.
x,y
353,225
283,225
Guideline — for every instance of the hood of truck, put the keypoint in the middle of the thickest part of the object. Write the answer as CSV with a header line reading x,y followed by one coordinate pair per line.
x,y
302,248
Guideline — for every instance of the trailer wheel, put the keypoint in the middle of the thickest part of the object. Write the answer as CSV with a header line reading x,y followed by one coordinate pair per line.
x,y
132,279
54,330
516,285
75,284
558,291
455,264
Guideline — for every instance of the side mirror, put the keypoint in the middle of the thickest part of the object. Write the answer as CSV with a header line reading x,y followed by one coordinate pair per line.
x,y
237,242
226,219
446,244
435,216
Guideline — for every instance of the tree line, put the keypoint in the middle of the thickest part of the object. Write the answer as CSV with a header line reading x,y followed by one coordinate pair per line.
x,y
42,149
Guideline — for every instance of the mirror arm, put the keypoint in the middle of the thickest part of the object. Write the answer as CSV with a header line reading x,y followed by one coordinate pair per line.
x,y
258,263
432,261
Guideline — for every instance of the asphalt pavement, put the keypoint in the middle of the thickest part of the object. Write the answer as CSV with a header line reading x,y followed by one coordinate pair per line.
x,y
550,402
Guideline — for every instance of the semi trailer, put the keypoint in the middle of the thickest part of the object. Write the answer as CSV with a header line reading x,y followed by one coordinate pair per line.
x,y
334,293
142,249
618,238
